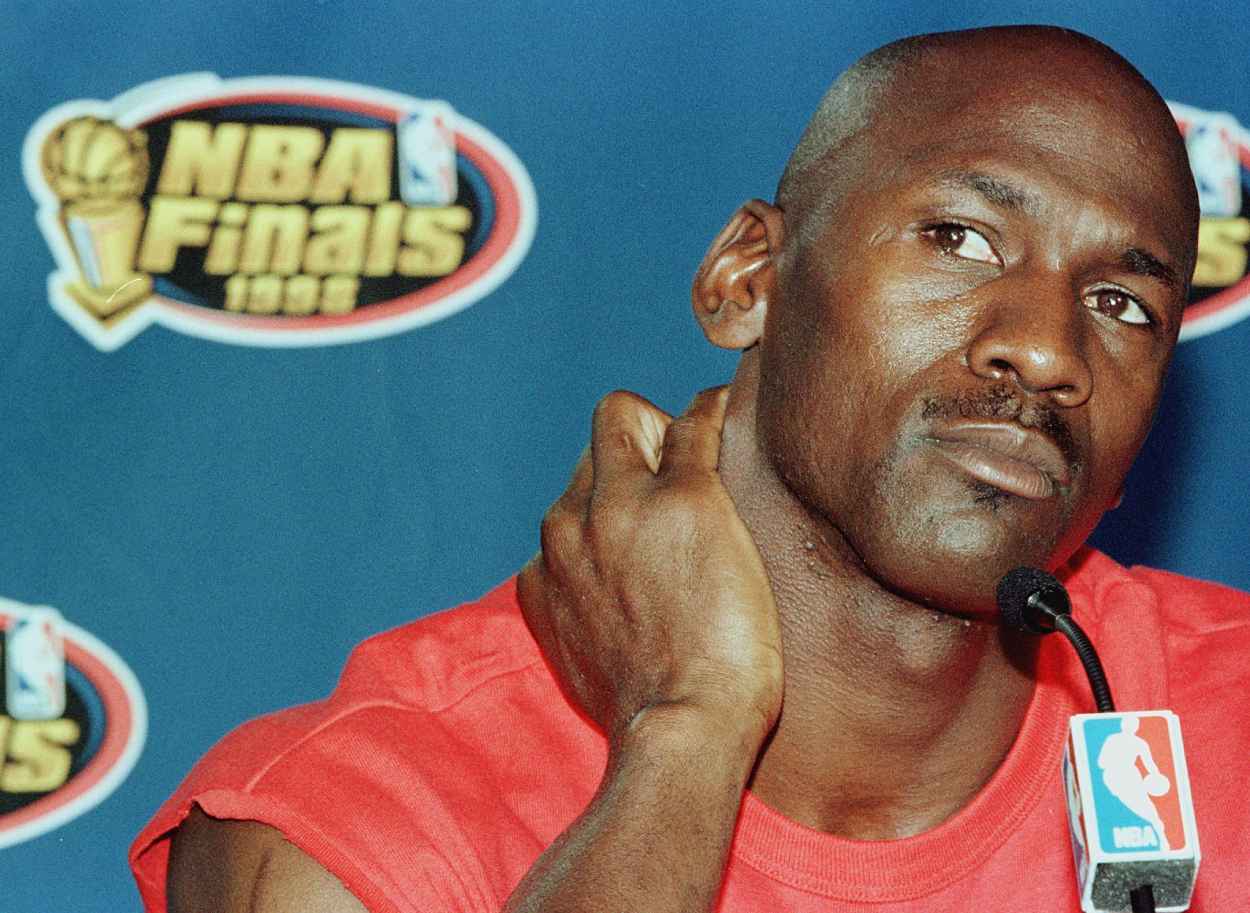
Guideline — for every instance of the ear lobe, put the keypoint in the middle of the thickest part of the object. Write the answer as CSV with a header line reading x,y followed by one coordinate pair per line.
x,y
734,282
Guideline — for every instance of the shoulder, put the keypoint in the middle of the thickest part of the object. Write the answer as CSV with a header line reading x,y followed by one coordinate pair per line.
x,y
224,866
1197,607
438,660
402,693
1174,639
1186,606
438,734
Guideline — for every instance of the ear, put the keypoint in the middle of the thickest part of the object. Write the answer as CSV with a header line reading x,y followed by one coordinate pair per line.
x,y
736,279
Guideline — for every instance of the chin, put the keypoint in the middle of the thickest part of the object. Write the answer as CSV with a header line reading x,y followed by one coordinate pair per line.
x,y
952,559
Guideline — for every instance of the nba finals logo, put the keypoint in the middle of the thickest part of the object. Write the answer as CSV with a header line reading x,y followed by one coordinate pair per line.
x,y
72,721
1219,155
272,212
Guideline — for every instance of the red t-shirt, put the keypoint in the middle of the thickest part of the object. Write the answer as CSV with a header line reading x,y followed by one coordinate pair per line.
x,y
447,760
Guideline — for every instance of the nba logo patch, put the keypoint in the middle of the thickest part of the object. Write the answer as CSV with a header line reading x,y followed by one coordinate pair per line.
x,y
34,661
427,156
1134,781
1129,804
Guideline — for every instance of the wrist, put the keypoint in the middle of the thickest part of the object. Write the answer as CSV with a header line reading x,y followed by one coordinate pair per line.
x,y
685,736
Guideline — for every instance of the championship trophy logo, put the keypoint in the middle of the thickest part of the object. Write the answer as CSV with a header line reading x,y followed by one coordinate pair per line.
x,y
98,170
272,211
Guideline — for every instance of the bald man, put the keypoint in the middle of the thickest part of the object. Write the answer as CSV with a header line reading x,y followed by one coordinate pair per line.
x,y
757,664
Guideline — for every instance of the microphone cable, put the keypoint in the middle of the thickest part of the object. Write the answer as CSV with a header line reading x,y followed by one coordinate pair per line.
x,y
1035,602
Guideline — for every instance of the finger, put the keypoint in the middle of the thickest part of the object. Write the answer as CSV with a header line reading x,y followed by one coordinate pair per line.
x,y
653,424
627,435
692,441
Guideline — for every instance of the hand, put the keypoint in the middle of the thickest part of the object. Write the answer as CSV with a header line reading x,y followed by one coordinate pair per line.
x,y
649,591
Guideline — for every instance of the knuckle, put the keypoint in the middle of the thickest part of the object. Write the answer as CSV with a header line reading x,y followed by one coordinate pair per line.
x,y
676,510
607,524
558,534
615,408
599,528
612,403
621,398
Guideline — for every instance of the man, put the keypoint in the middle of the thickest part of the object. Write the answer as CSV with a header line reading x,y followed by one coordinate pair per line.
x,y
784,685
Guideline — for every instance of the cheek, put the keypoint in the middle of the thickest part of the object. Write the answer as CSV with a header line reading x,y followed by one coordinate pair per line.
x,y
841,369
1117,434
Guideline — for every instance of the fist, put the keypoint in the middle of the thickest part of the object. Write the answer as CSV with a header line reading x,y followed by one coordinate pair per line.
x,y
649,591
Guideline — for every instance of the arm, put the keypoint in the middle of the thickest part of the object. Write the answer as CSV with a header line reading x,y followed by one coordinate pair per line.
x,y
650,600
218,866
657,835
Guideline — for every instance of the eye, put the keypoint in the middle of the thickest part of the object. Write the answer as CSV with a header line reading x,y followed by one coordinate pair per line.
x,y
963,242
1119,304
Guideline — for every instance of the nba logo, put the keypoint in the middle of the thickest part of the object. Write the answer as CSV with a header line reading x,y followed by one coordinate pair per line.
x,y
1129,804
1216,164
1133,776
427,156
34,665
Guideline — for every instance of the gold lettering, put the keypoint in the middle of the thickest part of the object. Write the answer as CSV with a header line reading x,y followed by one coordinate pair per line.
x,y
236,294
338,294
338,245
384,239
222,258
274,239
265,296
302,293
174,222
1221,251
359,161
278,163
434,245
40,761
202,161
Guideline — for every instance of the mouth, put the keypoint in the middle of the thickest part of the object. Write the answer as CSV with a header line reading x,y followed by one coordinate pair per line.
x,y
1016,460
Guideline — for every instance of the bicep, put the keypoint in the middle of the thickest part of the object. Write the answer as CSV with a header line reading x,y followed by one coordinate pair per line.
x,y
222,866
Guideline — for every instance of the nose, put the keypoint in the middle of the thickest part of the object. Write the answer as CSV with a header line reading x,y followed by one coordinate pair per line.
x,y
1034,336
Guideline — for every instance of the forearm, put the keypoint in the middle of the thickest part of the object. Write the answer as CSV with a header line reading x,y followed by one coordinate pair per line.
x,y
656,836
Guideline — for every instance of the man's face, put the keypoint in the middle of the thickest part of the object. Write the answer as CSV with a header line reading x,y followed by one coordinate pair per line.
x,y
969,335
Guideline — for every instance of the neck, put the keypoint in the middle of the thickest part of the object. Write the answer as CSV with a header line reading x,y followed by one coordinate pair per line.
x,y
895,714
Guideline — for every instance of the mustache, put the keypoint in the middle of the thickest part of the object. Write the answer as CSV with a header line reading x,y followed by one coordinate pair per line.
x,y
1003,401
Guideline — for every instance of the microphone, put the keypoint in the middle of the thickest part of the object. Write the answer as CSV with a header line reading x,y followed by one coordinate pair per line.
x,y
1130,810
1035,602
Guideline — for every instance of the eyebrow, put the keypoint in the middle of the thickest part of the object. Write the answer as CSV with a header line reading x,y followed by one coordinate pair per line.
x,y
999,193
1136,261
994,191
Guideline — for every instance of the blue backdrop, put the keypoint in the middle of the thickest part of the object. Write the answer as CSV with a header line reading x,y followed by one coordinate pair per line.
x,y
232,519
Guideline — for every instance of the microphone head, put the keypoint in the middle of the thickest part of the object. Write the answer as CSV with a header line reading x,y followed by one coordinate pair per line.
x,y
1020,594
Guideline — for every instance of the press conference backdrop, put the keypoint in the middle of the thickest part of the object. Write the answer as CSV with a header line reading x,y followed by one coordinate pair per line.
x,y
306,306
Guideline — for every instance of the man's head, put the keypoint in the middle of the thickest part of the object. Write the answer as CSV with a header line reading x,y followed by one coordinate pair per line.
x,y
965,301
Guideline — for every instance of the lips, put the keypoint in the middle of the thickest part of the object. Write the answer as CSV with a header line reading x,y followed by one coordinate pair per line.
x,y
1013,459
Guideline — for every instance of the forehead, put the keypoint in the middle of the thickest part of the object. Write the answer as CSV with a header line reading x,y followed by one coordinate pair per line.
x,y
1067,149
